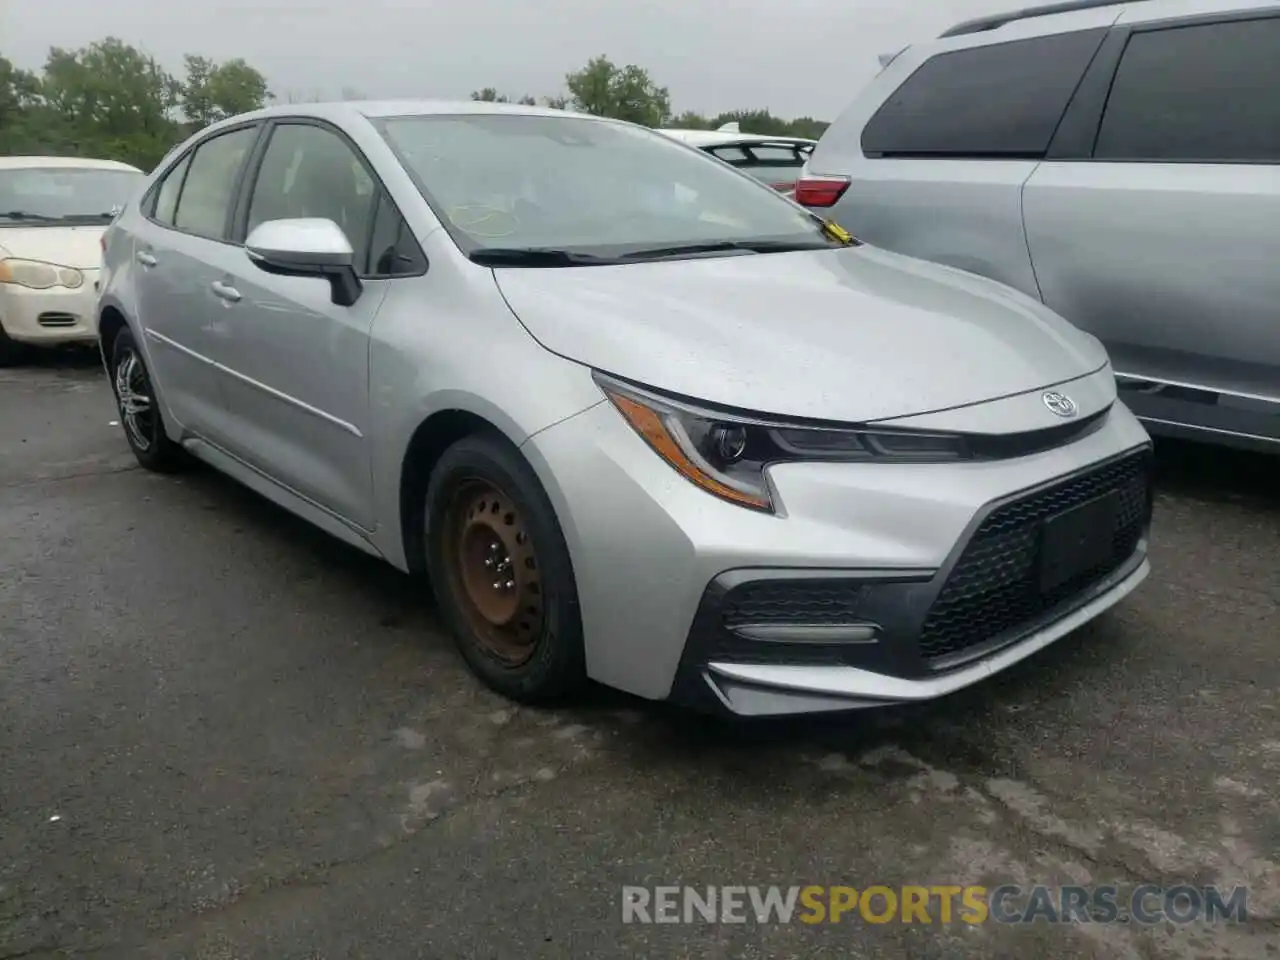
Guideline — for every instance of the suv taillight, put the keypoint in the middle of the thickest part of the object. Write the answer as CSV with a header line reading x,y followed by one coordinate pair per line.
x,y
820,191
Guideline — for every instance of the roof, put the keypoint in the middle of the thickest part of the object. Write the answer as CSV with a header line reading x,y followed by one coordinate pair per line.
x,y
350,109
1130,10
999,20
64,163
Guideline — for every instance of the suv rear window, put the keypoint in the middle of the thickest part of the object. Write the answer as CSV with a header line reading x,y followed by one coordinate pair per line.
x,y
1208,93
998,100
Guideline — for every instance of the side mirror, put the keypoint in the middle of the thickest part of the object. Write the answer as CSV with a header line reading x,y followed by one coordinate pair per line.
x,y
307,247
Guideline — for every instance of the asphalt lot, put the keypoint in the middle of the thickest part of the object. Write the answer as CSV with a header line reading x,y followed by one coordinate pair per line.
x,y
224,736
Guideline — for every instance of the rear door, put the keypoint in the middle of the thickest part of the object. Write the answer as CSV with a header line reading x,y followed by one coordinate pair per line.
x,y
183,230
1154,224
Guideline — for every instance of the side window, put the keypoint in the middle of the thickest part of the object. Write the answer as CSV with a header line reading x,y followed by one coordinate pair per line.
x,y
393,252
167,196
997,100
734,155
778,156
205,201
1197,93
310,171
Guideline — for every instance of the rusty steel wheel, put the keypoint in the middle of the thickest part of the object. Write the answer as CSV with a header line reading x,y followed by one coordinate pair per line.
x,y
494,572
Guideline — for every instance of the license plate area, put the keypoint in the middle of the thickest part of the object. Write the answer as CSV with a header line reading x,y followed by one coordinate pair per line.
x,y
1078,540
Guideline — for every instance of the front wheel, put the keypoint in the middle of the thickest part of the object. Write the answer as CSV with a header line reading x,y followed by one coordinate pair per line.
x,y
501,572
139,412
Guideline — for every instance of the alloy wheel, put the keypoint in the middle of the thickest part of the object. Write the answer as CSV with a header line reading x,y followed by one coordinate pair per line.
x,y
135,400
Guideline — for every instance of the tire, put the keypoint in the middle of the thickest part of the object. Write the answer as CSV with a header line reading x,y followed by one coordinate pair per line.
x,y
143,428
12,353
501,572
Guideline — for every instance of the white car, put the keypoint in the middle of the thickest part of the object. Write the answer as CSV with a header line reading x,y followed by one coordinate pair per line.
x,y
775,160
53,211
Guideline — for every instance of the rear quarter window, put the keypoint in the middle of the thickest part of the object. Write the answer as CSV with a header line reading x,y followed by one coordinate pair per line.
x,y
993,101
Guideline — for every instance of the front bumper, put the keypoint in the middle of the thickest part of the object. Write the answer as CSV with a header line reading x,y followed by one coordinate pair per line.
x,y
877,583
53,316
786,641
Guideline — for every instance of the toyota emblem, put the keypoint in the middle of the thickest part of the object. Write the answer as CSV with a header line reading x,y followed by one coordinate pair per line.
x,y
1059,404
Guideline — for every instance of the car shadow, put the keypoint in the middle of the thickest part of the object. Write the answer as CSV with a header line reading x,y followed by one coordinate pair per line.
x,y
73,358
1219,474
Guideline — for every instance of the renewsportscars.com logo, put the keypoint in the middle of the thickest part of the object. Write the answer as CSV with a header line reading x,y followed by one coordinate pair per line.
x,y
937,903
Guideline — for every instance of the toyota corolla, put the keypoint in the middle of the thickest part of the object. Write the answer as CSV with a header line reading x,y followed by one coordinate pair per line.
x,y
637,417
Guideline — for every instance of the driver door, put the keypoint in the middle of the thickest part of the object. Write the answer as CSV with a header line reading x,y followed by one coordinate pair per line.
x,y
296,365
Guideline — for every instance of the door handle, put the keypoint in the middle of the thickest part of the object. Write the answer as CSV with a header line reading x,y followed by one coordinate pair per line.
x,y
224,292
144,258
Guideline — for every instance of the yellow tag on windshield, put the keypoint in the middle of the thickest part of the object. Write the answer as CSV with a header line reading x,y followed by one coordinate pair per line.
x,y
837,232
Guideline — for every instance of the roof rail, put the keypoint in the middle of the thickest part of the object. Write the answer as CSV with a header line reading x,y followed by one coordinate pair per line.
x,y
999,20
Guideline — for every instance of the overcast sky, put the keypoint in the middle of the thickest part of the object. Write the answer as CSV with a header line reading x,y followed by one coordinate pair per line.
x,y
793,56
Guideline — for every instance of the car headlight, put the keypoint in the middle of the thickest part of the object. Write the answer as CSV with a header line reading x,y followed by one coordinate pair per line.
x,y
727,453
39,275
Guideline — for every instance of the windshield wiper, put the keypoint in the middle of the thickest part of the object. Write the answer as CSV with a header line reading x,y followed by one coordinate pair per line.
x,y
85,218
536,257
23,215
725,246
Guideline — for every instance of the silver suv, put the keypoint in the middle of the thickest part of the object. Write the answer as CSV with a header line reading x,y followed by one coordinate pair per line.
x,y
1117,162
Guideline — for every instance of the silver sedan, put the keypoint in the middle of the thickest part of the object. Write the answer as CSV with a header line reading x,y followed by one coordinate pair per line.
x,y
636,416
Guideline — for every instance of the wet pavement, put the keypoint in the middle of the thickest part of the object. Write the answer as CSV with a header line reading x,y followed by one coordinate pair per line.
x,y
223,735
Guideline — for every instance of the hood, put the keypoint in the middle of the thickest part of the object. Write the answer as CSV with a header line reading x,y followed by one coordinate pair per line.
x,y
853,335
78,247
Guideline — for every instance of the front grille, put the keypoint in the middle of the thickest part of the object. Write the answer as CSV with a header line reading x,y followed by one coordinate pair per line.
x,y
994,588
54,319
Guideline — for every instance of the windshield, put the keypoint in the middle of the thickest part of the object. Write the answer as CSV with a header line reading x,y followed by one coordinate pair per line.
x,y
61,194
588,187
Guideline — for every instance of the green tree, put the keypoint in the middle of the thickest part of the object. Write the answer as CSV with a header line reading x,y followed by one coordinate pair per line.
x,y
491,95
110,99
19,97
763,121
809,127
691,120
235,87
625,93
213,92
556,103
197,100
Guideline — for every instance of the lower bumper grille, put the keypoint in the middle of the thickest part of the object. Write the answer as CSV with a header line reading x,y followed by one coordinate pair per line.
x,y
54,319
994,588
816,601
